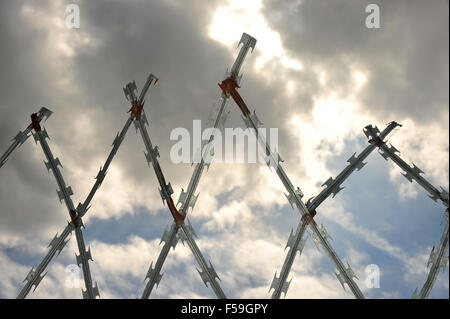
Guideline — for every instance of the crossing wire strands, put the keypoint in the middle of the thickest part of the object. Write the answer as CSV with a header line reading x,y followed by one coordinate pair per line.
x,y
183,229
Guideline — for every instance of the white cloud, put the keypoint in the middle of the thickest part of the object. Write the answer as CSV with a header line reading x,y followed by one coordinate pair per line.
x,y
235,16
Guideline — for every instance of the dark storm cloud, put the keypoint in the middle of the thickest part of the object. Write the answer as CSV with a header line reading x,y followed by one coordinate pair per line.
x,y
407,57
27,207
130,40
133,40
170,41
406,60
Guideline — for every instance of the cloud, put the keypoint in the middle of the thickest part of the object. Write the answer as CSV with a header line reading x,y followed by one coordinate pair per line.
x,y
404,54
317,74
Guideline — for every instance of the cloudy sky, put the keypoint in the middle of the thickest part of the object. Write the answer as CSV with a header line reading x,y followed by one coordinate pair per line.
x,y
317,74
